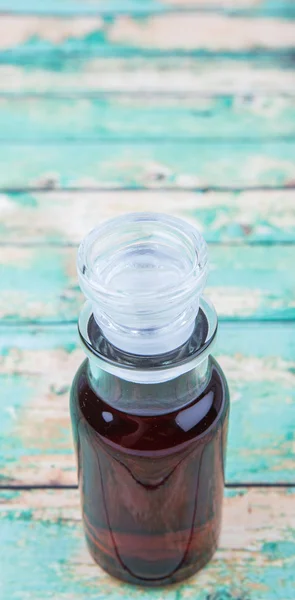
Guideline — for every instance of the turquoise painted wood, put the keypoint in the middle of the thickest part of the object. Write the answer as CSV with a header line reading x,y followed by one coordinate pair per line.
x,y
184,77
181,94
122,117
35,52
37,366
284,8
32,218
43,536
252,282
45,40
109,164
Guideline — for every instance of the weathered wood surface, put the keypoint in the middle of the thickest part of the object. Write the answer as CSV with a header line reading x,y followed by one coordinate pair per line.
x,y
184,94
163,163
40,285
124,117
32,37
50,54
42,542
283,8
167,75
37,366
37,217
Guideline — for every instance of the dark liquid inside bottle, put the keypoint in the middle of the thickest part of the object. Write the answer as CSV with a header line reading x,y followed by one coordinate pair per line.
x,y
151,486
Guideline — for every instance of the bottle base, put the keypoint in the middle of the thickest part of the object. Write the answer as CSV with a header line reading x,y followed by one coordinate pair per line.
x,y
124,575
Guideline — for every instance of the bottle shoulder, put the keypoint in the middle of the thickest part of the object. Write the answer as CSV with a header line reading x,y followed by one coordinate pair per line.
x,y
153,432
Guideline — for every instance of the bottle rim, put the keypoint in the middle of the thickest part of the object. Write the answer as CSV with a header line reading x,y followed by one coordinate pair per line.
x,y
180,231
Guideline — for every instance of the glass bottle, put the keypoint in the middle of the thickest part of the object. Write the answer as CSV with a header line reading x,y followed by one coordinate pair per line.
x,y
149,405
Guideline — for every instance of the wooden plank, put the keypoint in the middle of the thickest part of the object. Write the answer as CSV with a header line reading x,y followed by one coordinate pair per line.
x,y
109,164
284,8
203,76
185,33
37,366
190,32
247,216
252,282
257,7
42,534
146,117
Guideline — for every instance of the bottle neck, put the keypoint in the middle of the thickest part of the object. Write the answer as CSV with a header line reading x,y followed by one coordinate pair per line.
x,y
144,384
149,398
155,338
149,369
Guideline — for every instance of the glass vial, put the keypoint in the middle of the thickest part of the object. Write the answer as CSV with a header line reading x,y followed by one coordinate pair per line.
x,y
149,405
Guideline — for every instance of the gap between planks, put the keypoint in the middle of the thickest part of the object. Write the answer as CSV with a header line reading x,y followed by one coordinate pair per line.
x,y
143,95
227,486
101,140
27,323
150,189
227,243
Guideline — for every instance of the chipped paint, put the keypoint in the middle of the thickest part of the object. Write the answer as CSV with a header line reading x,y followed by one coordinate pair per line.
x,y
214,32
149,117
16,31
221,216
192,75
110,164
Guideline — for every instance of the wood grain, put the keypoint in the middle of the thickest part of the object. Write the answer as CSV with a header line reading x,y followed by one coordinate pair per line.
x,y
121,117
31,218
109,164
42,535
37,366
65,73
185,33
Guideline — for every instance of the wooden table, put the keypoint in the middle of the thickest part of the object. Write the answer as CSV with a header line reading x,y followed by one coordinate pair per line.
x,y
185,107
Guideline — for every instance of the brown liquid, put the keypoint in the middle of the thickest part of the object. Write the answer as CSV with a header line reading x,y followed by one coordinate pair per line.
x,y
151,486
